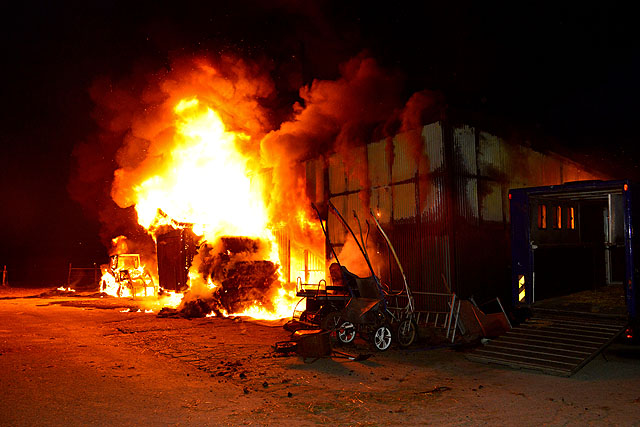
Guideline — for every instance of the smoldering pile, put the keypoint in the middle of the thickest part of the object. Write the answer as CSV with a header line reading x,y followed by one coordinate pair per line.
x,y
242,275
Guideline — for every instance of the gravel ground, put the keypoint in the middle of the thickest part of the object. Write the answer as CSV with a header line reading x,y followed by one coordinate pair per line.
x,y
83,361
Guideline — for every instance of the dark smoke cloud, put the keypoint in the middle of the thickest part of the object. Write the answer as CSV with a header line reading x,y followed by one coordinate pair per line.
x,y
135,118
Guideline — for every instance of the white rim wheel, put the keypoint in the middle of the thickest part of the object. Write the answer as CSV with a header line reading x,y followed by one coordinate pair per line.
x,y
346,332
382,338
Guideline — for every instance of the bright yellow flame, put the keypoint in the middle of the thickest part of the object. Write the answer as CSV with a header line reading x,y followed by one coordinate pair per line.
x,y
284,303
171,299
206,182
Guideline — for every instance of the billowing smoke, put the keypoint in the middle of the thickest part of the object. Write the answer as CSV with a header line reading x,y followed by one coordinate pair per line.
x,y
137,128
334,116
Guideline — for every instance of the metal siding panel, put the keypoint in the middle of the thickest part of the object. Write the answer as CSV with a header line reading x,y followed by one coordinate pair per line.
x,y
552,171
337,181
516,165
535,162
464,143
356,169
433,146
492,201
320,181
335,228
381,203
490,158
434,190
405,238
283,240
379,173
354,203
569,172
467,198
404,201
310,179
404,165
436,263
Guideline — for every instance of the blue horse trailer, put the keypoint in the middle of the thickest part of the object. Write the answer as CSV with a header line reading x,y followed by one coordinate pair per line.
x,y
576,239
574,273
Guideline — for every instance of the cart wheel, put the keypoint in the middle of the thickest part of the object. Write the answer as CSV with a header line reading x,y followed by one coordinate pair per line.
x,y
331,321
382,338
346,332
407,332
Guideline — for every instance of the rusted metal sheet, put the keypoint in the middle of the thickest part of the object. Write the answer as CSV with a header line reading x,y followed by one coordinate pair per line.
x,y
355,203
433,146
337,180
336,230
432,197
535,162
490,156
573,172
442,201
380,203
435,261
405,239
552,171
466,198
356,169
464,145
404,201
405,163
284,252
491,201
379,172
315,180
516,165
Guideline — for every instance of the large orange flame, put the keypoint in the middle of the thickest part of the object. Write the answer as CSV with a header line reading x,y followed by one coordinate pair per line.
x,y
206,181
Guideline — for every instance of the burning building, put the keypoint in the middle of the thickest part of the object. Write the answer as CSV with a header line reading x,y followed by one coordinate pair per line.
x,y
441,192
223,193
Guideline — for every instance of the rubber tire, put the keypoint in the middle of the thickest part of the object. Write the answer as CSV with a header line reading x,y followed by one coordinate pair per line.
x,y
407,333
331,321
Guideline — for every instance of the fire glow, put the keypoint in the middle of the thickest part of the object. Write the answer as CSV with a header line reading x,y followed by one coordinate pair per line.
x,y
204,180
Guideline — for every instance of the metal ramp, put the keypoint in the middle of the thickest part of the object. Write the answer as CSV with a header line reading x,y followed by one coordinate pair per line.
x,y
556,343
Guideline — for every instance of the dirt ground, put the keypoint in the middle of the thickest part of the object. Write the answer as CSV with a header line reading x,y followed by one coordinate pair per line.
x,y
83,361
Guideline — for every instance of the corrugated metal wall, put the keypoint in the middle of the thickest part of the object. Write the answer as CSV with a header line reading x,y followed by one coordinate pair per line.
x,y
443,203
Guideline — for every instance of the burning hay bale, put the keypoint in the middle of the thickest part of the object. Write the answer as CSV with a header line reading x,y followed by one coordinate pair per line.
x,y
241,278
246,283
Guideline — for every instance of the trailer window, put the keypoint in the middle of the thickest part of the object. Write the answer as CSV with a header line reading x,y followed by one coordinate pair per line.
x,y
542,216
558,223
571,222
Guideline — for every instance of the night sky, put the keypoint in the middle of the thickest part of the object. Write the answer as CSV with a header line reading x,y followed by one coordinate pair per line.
x,y
568,72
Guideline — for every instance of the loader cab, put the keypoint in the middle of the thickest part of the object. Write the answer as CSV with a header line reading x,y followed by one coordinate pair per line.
x,y
125,262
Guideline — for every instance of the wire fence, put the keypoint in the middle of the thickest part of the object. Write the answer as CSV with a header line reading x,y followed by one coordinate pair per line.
x,y
83,277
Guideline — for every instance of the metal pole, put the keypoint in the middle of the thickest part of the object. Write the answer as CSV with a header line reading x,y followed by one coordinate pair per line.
x,y
95,273
69,276
4,276
306,266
